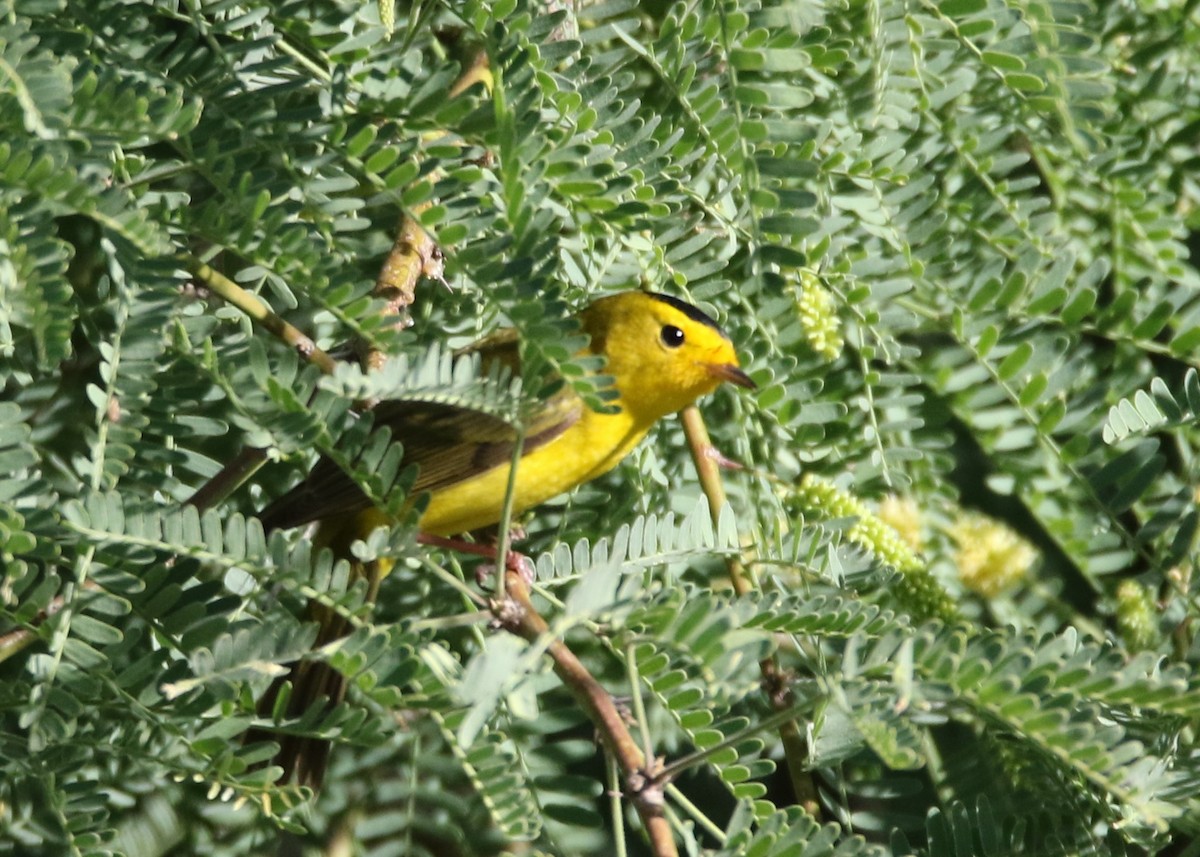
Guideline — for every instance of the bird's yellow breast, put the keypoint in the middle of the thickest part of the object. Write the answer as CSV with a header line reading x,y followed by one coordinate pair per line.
x,y
589,448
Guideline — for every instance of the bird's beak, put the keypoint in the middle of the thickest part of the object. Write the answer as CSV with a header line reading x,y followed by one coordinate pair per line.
x,y
731,373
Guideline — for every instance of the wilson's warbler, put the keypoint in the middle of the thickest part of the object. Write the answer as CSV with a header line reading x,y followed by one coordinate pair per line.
x,y
662,354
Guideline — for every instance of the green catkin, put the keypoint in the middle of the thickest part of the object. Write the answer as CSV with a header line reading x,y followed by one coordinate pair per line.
x,y
818,317
1137,617
916,587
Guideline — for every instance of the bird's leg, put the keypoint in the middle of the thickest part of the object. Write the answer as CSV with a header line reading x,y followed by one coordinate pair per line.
x,y
514,561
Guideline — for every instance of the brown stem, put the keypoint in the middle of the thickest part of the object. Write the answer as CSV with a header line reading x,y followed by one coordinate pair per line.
x,y
706,458
20,638
413,256
260,314
235,472
775,680
517,615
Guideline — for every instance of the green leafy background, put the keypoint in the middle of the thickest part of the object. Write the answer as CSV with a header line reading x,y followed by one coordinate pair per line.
x,y
998,200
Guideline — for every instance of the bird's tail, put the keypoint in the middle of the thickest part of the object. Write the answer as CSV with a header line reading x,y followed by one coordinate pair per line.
x,y
304,758
294,508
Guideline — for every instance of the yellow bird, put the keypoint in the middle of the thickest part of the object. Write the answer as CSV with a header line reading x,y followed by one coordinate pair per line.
x,y
662,354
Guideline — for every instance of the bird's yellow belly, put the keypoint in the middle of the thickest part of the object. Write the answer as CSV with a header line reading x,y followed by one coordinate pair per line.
x,y
588,449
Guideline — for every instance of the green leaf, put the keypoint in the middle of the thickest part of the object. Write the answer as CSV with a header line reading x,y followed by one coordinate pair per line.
x,y
961,8
1002,61
1024,82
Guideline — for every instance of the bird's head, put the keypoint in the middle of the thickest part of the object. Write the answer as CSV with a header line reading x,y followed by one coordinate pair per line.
x,y
662,352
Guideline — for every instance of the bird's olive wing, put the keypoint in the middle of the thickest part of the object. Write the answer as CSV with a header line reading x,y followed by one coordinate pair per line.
x,y
447,442
450,444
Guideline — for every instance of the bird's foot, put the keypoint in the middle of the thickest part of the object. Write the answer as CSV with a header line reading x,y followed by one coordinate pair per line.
x,y
514,561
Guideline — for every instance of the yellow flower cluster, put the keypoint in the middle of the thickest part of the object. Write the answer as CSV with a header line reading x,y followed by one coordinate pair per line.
x,y
990,556
818,317
903,516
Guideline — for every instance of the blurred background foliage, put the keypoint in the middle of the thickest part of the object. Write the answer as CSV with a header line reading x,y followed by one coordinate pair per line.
x,y
954,242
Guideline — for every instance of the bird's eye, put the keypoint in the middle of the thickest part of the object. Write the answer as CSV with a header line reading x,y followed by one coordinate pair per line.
x,y
671,335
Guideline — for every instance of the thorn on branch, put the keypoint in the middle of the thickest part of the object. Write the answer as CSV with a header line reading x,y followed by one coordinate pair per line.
x,y
722,461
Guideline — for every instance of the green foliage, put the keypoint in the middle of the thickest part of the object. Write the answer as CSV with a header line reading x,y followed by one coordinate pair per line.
x,y
954,245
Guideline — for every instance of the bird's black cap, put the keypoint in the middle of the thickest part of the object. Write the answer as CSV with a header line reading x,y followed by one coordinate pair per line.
x,y
688,310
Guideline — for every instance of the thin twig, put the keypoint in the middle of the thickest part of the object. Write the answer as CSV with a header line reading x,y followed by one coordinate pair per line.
x,y
683,763
260,313
612,777
19,639
695,813
639,704
231,477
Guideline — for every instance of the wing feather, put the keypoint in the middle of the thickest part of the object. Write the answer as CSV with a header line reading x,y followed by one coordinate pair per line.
x,y
448,443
